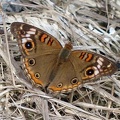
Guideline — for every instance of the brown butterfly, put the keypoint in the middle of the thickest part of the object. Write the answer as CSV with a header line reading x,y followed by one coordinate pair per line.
x,y
57,68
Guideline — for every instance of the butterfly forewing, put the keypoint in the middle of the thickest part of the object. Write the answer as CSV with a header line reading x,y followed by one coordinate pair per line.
x,y
90,65
33,41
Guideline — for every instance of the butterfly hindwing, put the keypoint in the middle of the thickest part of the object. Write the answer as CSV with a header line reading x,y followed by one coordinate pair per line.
x,y
65,78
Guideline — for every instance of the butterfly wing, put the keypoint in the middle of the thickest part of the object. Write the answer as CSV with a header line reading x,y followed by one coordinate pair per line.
x,y
39,50
33,41
65,79
93,65
80,67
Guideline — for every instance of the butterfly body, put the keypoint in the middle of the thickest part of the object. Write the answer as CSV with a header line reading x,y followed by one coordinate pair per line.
x,y
54,67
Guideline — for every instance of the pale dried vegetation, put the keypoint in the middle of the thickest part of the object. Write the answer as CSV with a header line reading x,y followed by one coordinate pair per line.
x,y
89,24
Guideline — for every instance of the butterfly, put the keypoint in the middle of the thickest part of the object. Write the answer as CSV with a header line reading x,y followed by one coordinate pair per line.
x,y
54,67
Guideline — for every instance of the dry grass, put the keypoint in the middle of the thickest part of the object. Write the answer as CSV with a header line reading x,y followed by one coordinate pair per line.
x,y
91,25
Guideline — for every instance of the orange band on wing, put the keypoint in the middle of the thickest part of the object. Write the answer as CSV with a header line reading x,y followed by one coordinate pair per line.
x,y
43,37
89,57
82,55
50,42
